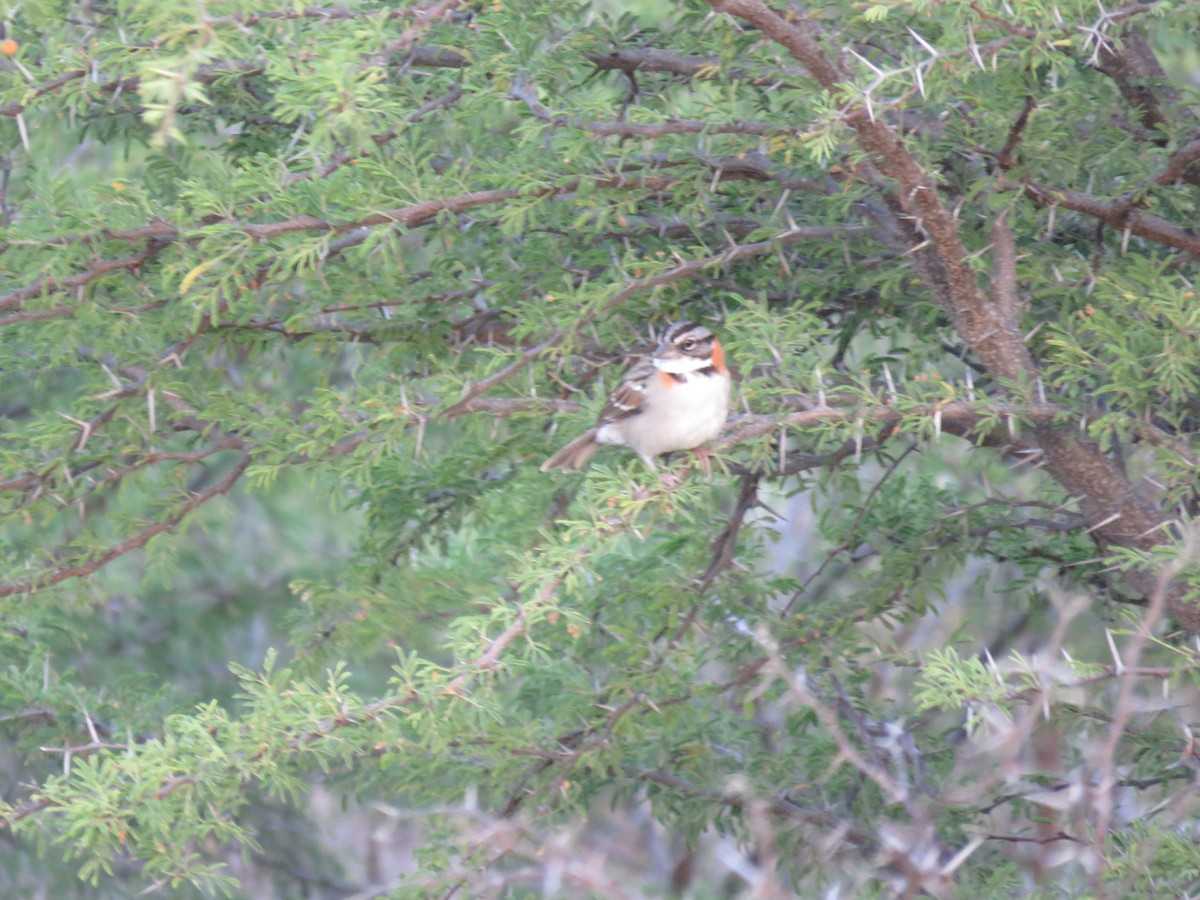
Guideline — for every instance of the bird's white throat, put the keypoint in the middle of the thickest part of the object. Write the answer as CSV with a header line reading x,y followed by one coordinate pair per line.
x,y
681,365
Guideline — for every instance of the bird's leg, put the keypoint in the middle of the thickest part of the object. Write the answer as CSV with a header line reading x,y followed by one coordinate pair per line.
x,y
704,459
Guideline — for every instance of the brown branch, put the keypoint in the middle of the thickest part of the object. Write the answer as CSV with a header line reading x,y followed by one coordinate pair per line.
x,y
137,541
161,234
36,315
316,12
38,712
436,58
959,418
1018,839
204,75
1118,214
225,442
994,338
15,109
1139,784
428,210
1116,514
1011,27
409,216
651,59
1136,72
49,284
1005,156
1181,166
654,60
30,481
527,94
173,784
424,17
26,810
726,542
1113,511
1004,266
474,391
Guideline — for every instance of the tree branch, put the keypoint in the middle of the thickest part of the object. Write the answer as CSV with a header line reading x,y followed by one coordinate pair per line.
x,y
1116,514
1118,214
135,542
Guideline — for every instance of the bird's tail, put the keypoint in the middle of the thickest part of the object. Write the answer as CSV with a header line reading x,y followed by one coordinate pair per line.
x,y
575,455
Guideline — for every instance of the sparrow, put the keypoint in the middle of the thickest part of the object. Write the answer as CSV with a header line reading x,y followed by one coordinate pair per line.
x,y
675,399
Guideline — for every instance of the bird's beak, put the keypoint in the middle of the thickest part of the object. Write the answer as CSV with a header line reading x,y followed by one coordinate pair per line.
x,y
666,350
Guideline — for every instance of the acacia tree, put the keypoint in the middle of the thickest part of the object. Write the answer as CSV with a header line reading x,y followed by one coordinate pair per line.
x,y
296,299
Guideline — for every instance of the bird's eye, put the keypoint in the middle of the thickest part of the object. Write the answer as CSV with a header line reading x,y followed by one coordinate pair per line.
x,y
689,344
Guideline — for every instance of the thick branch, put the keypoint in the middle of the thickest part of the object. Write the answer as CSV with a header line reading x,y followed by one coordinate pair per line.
x,y
1137,74
1118,214
1116,514
1182,165
994,337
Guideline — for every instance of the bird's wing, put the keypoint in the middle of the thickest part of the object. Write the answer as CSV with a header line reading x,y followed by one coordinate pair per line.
x,y
630,395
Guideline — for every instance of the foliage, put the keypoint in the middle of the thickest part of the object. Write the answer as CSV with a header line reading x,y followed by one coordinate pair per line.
x,y
295,300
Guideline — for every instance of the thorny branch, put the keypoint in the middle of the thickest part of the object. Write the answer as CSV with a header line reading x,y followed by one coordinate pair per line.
x,y
1118,516
135,542
1121,215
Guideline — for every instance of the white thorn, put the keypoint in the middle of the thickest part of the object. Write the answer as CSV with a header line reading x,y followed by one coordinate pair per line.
x,y
887,379
1102,523
924,43
975,49
1112,648
992,665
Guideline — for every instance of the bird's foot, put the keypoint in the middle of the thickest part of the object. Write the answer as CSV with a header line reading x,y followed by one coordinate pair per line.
x,y
669,480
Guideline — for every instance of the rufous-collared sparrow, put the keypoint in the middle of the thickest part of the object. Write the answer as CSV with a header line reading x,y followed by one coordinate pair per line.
x,y
675,399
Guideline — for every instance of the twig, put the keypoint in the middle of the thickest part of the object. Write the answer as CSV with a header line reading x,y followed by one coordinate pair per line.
x,y
135,542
